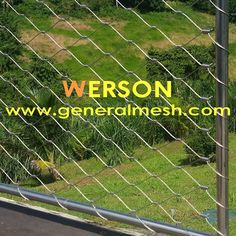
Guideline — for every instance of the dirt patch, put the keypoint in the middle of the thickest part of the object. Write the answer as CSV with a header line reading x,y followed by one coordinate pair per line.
x,y
117,24
45,46
78,24
232,34
85,23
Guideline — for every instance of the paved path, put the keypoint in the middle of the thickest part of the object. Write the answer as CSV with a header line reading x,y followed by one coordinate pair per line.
x,y
20,221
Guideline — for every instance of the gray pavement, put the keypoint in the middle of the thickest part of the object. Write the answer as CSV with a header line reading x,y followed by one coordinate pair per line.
x,y
21,221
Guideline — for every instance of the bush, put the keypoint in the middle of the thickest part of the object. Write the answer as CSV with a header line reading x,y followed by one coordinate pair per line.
x,y
32,8
104,7
100,5
145,6
232,102
232,7
181,65
201,144
9,44
3,5
13,146
46,75
206,6
13,169
71,8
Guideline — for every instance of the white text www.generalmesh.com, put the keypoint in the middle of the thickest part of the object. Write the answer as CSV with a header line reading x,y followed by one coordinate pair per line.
x,y
129,110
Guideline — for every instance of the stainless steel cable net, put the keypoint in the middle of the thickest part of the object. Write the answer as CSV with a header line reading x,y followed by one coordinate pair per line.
x,y
152,194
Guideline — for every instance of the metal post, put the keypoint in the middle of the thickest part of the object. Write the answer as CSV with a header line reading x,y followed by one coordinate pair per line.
x,y
222,37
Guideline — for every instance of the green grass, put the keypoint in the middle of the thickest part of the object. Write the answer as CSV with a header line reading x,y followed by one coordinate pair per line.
x,y
175,26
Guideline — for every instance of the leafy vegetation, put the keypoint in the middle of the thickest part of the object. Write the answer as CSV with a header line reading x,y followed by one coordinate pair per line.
x,y
198,79
207,6
9,45
145,6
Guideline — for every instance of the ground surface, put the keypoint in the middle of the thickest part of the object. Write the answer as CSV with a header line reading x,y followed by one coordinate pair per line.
x,y
20,221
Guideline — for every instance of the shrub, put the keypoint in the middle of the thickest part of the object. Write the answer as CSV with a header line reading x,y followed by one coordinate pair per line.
x,y
9,44
201,144
3,4
100,5
30,7
71,8
232,102
232,7
13,169
46,75
145,6
181,65
16,151
206,6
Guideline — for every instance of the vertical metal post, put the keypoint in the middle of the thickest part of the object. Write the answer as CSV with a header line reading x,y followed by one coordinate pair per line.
x,y
222,37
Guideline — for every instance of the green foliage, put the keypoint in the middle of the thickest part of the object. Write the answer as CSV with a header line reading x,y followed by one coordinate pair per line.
x,y
231,104
207,6
71,8
11,47
13,169
202,144
181,65
99,5
232,10
30,7
47,76
104,7
9,44
17,154
145,6
4,5
44,124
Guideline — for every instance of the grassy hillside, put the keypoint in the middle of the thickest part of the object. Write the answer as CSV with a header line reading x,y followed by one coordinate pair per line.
x,y
154,188
175,26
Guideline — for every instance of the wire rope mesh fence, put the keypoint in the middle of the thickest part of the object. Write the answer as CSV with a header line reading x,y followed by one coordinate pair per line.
x,y
162,173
